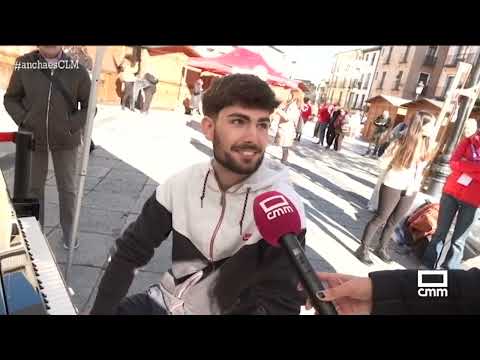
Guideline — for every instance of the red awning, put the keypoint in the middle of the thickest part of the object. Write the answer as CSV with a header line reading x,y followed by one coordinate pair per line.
x,y
207,64
242,60
163,50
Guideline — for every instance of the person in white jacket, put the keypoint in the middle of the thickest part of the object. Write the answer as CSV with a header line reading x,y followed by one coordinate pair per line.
x,y
404,162
289,116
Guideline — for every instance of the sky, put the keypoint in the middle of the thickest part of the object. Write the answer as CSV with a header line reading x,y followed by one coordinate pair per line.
x,y
314,63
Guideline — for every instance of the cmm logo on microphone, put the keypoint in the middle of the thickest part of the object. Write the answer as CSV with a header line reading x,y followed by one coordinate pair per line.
x,y
432,283
275,206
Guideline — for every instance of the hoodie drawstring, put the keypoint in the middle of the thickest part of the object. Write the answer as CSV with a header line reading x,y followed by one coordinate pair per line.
x,y
244,209
204,188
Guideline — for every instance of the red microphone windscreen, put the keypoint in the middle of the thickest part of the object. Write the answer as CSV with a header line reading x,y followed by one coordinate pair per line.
x,y
275,216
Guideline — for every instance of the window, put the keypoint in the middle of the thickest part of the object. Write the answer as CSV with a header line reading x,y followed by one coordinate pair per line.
x,y
340,97
383,48
365,86
405,55
423,77
361,101
432,51
373,58
350,100
360,82
431,56
355,103
387,60
448,85
397,80
376,75
367,57
380,86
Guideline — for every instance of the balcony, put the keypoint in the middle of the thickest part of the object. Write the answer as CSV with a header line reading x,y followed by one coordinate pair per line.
x,y
430,60
396,86
453,59
468,58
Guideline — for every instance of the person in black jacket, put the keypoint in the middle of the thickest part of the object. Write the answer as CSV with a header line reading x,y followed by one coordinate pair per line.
x,y
382,124
48,96
396,292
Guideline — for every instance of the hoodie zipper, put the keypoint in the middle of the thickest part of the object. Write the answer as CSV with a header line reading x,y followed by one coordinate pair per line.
x,y
215,232
48,106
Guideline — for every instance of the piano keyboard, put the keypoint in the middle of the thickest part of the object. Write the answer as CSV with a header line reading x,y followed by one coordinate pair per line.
x,y
50,280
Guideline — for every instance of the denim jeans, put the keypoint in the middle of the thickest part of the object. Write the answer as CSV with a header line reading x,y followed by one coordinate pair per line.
x,y
466,215
322,128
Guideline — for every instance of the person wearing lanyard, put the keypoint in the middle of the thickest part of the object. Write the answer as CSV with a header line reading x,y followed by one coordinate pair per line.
x,y
461,197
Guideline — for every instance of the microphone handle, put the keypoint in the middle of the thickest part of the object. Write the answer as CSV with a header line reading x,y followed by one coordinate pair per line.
x,y
307,274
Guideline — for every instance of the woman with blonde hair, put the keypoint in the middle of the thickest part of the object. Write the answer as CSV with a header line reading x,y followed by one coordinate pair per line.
x,y
404,162
289,115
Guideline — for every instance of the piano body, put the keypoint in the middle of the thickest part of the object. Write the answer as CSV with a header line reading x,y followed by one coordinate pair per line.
x,y
30,281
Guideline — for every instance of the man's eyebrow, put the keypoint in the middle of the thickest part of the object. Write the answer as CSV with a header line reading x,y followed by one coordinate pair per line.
x,y
264,120
243,116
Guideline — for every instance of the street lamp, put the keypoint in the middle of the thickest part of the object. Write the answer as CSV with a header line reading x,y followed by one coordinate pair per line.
x,y
419,89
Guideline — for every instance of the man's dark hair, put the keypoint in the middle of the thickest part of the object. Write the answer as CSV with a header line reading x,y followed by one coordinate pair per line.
x,y
238,89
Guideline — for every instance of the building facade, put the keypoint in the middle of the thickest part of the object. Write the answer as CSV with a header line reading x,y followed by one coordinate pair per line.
x,y
361,88
455,54
346,70
402,69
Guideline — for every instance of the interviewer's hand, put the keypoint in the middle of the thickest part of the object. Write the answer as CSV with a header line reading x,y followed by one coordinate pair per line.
x,y
352,295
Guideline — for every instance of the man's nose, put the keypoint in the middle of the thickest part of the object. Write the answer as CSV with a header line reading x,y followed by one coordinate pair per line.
x,y
251,132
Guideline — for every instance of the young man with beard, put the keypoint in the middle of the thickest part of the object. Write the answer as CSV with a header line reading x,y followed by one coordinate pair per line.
x,y
220,264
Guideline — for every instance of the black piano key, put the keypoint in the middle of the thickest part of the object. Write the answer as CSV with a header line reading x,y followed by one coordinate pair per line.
x,y
15,230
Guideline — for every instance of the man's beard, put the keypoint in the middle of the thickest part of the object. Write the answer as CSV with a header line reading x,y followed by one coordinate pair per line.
x,y
225,159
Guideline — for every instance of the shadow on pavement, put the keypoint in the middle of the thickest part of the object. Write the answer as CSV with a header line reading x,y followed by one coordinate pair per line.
x,y
318,262
201,147
356,200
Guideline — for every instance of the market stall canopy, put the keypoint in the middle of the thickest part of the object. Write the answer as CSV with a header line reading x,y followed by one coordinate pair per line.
x,y
165,49
394,100
243,60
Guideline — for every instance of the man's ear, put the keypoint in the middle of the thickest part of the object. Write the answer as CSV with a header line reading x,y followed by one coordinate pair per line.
x,y
208,126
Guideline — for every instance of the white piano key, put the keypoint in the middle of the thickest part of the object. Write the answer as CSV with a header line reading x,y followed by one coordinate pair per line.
x,y
50,277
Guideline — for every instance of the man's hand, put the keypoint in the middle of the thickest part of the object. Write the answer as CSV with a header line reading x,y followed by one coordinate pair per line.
x,y
351,295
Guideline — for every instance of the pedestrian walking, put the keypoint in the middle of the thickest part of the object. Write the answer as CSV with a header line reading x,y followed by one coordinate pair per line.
x,y
289,115
197,96
305,116
324,115
331,126
342,129
129,69
404,162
